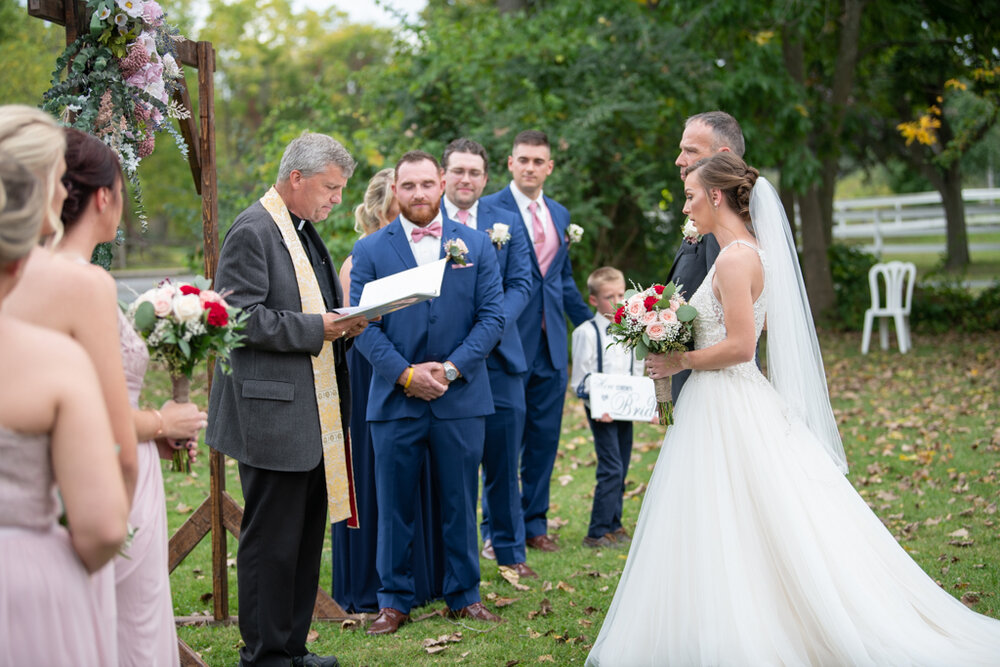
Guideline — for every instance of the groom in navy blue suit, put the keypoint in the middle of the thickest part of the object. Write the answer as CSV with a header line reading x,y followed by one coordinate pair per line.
x,y
542,323
429,390
465,175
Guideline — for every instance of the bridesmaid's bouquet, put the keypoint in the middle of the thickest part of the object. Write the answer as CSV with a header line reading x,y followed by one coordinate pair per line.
x,y
184,324
655,320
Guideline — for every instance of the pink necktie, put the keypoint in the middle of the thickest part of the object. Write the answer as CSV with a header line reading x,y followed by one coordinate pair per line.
x,y
463,216
537,226
433,229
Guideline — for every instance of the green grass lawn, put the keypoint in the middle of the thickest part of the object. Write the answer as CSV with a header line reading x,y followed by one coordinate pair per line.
x,y
922,437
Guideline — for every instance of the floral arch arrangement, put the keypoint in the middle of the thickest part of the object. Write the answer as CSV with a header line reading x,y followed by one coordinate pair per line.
x,y
117,80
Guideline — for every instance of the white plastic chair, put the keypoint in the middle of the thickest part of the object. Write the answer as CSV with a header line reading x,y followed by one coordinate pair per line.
x,y
898,278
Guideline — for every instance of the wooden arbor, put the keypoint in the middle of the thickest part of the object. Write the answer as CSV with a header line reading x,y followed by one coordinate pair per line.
x,y
219,512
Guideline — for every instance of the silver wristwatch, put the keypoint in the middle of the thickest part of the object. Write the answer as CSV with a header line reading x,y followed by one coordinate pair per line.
x,y
450,372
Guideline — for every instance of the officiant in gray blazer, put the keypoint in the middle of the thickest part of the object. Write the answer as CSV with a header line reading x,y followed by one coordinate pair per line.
x,y
282,411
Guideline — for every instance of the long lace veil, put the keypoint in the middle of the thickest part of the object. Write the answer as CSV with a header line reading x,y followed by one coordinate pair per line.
x,y
794,362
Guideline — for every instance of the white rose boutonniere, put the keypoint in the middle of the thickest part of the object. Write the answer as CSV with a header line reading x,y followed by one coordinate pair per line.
x,y
499,234
574,233
457,252
690,231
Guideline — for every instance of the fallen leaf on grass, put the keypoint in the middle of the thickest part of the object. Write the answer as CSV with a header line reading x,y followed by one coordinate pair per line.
x,y
961,532
546,586
544,609
312,636
637,491
546,658
533,634
430,614
433,646
512,663
182,508
512,577
585,622
564,480
970,599
563,586
205,597
349,624
499,601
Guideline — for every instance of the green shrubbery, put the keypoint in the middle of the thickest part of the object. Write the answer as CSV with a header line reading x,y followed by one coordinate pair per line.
x,y
940,302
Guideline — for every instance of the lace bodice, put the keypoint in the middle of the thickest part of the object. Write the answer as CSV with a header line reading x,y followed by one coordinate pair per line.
x,y
710,324
135,358
27,488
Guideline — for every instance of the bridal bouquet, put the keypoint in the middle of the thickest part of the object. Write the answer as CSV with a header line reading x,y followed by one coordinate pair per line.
x,y
183,324
655,320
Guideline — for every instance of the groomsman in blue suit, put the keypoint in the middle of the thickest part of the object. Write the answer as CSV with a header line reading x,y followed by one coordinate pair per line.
x,y
465,174
542,323
430,389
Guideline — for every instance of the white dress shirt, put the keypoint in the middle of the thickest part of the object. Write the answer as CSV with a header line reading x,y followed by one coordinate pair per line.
x,y
429,248
615,360
452,210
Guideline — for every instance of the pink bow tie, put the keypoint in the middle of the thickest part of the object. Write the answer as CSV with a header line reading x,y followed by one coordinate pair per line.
x,y
433,229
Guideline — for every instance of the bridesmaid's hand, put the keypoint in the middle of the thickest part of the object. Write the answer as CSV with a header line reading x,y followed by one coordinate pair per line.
x,y
182,421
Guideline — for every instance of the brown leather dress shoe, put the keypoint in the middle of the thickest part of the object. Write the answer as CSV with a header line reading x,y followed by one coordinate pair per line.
x,y
476,611
523,571
487,551
387,621
542,543
605,541
621,535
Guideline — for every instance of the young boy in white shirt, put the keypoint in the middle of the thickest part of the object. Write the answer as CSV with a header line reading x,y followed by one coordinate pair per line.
x,y
612,439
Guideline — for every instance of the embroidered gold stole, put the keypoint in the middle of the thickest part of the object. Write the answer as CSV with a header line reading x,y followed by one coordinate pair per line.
x,y
336,448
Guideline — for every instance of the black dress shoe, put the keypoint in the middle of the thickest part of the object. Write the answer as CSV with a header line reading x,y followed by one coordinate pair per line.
x,y
313,660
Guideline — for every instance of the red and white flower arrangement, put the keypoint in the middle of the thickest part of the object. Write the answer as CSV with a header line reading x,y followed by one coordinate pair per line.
x,y
655,320
182,325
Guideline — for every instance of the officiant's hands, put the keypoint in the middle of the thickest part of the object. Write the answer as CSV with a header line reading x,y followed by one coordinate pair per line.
x,y
337,326
424,383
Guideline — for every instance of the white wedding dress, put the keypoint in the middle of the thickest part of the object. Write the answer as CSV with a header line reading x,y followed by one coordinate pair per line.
x,y
752,548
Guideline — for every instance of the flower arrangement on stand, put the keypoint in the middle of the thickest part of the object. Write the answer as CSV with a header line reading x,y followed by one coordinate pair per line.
x,y
658,320
116,82
182,325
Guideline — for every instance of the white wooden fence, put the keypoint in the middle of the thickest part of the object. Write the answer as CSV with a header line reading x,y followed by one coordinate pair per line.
x,y
914,215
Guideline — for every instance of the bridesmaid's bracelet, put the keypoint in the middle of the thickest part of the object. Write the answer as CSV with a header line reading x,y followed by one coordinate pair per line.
x,y
159,429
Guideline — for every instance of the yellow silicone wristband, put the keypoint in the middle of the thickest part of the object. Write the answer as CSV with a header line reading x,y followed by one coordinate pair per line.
x,y
409,379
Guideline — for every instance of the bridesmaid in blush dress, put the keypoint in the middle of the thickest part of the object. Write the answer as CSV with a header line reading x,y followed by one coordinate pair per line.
x,y
54,434
355,581
146,633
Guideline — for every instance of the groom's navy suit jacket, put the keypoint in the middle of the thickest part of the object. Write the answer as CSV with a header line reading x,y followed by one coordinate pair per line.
x,y
551,295
462,325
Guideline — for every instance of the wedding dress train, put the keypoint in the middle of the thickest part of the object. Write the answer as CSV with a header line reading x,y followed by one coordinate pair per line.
x,y
752,548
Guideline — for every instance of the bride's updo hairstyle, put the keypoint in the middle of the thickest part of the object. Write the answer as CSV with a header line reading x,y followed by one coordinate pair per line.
x,y
33,138
90,166
732,176
21,209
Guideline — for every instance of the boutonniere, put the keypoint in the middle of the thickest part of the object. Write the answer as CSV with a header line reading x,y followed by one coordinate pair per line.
x,y
690,231
457,252
499,234
574,233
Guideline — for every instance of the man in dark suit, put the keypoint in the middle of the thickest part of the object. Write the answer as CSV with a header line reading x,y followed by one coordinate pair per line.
x,y
465,175
704,134
282,411
430,389
542,323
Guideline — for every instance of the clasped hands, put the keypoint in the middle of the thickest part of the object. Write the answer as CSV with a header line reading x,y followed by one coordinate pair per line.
x,y
664,365
427,382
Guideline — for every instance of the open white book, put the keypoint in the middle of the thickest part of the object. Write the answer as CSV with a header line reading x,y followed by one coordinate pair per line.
x,y
398,290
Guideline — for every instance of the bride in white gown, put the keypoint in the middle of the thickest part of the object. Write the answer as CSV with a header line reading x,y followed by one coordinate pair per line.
x,y
752,548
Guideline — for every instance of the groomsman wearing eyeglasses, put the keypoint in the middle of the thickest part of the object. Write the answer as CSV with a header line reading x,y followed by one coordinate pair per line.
x,y
465,174
542,324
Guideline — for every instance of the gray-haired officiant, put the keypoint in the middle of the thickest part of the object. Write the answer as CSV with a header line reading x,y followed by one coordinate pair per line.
x,y
282,412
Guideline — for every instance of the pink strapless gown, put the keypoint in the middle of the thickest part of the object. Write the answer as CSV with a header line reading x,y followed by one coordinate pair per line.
x,y
51,612
147,636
